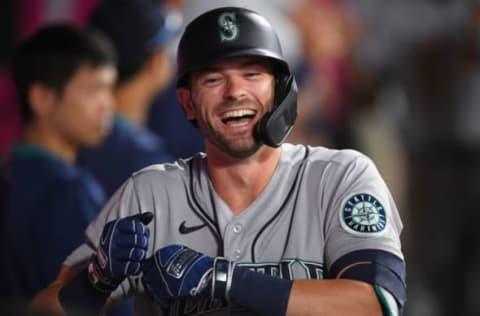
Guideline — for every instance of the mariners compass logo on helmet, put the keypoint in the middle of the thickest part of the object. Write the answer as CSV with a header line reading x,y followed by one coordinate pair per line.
x,y
362,213
228,26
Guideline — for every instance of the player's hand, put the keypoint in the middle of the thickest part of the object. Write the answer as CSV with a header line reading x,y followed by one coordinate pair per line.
x,y
176,271
122,248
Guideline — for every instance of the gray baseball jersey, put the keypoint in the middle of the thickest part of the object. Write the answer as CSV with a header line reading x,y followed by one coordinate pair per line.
x,y
319,206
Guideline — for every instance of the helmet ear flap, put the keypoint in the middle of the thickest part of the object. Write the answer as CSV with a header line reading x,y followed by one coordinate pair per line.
x,y
282,86
276,125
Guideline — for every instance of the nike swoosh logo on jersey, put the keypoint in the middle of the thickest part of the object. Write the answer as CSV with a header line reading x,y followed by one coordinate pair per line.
x,y
189,229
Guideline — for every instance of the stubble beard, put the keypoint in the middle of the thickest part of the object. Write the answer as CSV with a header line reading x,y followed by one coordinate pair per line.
x,y
235,148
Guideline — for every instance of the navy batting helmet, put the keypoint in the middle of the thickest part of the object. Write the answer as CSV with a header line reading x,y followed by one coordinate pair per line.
x,y
233,32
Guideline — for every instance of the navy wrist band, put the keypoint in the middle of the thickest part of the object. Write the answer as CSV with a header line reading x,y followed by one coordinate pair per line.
x,y
220,277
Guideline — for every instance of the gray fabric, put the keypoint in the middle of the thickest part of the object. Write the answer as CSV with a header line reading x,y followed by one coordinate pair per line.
x,y
312,207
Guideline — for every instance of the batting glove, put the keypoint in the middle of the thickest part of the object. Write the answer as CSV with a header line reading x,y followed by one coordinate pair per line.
x,y
122,248
176,271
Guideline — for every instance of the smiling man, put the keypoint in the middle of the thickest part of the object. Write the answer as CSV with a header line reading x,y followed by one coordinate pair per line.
x,y
230,98
254,226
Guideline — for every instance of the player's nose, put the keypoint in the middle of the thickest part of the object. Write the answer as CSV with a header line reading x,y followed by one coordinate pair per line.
x,y
234,87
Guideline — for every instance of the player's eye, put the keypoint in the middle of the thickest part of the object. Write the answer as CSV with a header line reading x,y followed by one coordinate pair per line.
x,y
211,80
252,74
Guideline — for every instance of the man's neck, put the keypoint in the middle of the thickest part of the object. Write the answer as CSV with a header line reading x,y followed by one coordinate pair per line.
x,y
36,135
240,182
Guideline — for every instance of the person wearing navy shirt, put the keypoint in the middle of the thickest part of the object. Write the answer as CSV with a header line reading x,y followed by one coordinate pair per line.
x,y
144,72
64,77
50,204
126,149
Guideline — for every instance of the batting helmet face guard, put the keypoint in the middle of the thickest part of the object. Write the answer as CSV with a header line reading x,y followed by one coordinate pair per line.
x,y
234,32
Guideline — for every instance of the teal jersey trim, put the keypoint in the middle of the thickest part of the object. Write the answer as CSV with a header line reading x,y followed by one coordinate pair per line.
x,y
30,150
387,311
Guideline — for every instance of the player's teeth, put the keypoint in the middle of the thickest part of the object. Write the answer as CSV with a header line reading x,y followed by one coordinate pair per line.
x,y
238,113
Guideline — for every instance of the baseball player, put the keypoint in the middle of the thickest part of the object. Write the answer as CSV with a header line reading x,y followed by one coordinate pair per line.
x,y
254,225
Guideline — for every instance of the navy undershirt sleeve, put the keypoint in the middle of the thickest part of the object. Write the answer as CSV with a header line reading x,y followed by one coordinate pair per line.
x,y
376,267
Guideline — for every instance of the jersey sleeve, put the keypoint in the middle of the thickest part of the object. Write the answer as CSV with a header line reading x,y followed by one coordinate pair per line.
x,y
361,212
363,227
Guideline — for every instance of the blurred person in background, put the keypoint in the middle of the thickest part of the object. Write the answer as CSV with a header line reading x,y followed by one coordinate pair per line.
x,y
64,79
166,117
421,58
442,137
18,20
140,30
330,31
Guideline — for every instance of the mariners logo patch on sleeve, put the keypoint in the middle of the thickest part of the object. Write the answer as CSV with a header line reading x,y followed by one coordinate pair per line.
x,y
363,214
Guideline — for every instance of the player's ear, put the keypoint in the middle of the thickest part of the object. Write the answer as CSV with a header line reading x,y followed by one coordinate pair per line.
x,y
41,99
184,96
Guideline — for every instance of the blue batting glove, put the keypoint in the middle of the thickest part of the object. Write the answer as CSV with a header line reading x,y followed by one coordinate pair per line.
x,y
176,271
123,247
